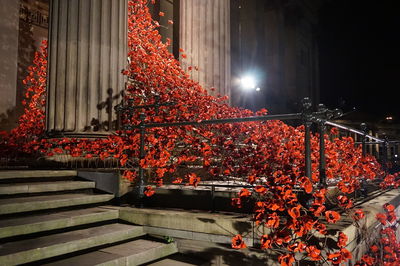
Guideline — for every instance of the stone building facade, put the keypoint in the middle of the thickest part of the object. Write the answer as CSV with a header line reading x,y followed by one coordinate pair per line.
x,y
276,41
222,38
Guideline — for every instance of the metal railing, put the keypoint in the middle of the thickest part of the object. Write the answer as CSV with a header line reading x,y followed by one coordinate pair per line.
x,y
308,117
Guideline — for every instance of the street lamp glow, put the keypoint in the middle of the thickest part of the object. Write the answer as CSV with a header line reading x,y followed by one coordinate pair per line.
x,y
248,82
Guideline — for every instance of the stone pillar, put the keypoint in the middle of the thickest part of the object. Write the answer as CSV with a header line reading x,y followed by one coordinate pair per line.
x,y
205,37
87,51
9,21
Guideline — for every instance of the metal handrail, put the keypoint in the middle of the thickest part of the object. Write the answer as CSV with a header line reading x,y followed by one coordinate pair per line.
x,y
359,132
308,117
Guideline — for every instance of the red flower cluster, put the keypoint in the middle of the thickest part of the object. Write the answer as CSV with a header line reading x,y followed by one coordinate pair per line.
x,y
386,249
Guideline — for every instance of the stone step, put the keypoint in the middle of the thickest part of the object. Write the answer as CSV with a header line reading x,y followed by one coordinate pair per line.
x,y
10,174
52,221
135,252
45,247
39,187
27,204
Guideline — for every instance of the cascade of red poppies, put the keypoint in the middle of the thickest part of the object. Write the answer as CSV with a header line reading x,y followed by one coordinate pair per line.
x,y
268,155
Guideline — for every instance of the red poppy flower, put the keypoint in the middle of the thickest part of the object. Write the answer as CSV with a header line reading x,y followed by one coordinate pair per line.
x,y
237,242
313,253
335,258
260,189
272,220
382,218
286,260
295,212
342,240
236,202
149,191
368,260
193,179
358,214
374,248
345,202
332,216
266,242
244,193
388,207
177,180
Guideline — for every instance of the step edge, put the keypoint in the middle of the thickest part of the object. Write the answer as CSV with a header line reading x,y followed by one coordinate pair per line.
x,y
61,203
36,188
66,222
10,174
28,256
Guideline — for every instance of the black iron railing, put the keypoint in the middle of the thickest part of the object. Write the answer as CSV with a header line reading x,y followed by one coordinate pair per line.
x,y
307,116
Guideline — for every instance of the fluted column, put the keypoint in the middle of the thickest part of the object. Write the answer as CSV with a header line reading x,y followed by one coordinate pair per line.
x,y
87,51
205,37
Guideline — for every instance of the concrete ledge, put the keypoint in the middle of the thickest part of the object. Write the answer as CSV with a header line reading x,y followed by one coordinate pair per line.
x,y
135,252
360,237
26,251
26,204
46,222
39,187
200,222
8,174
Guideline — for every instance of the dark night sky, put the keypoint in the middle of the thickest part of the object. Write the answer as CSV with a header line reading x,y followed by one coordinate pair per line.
x,y
360,55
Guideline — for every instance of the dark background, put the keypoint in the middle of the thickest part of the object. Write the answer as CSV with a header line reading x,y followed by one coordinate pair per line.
x,y
360,56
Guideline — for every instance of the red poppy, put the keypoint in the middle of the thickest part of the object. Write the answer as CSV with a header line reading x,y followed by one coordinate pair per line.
x,y
388,207
313,253
295,212
374,248
358,214
335,258
149,191
272,220
332,216
382,218
244,193
266,242
236,202
178,180
193,179
368,260
342,240
345,202
260,189
237,242
286,260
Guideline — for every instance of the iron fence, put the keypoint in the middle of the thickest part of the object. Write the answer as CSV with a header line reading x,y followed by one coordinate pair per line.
x,y
307,116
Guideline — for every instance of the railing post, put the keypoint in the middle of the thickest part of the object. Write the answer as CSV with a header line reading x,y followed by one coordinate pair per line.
x,y
322,158
142,154
307,118
212,198
385,153
363,127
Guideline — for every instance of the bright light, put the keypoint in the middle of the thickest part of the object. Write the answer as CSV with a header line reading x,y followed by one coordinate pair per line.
x,y
389,118
258,89
248,82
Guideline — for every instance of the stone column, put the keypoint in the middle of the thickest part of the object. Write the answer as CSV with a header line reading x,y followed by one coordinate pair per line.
x,y
9,21
205,37
87,51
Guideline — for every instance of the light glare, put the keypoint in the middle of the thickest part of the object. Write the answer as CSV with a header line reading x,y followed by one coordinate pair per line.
x,y
248,82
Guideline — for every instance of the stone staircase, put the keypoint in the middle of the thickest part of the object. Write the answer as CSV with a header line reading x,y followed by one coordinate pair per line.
x,y
52,218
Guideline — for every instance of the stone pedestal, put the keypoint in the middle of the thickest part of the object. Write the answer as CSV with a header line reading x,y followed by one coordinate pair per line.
x,y
87,51
205,37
